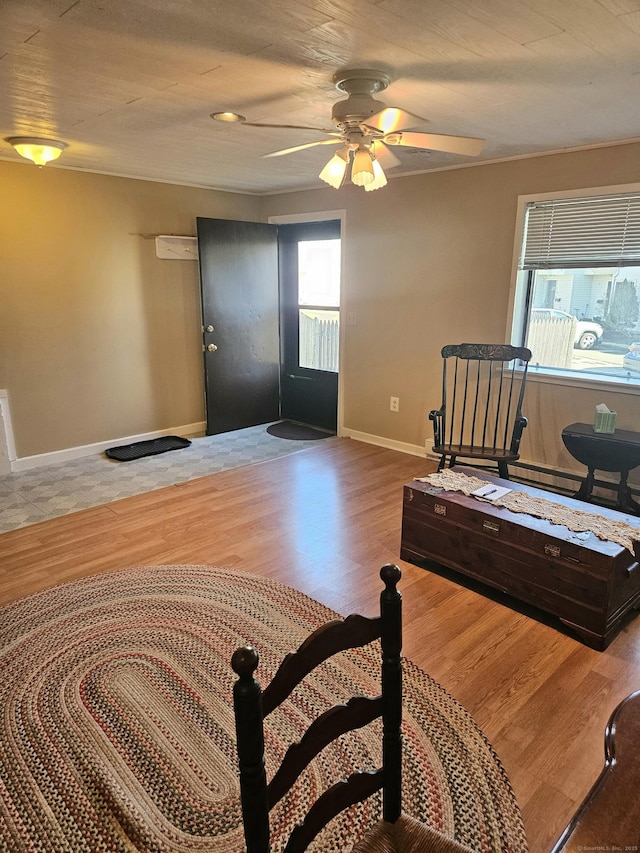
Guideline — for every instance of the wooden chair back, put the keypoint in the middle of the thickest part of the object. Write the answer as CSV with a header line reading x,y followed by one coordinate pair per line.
x,y
252,705
480,416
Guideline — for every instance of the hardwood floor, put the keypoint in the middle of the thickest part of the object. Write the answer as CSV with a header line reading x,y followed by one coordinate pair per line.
x,y
323,521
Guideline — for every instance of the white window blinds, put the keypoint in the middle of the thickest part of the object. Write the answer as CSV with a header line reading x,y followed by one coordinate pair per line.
x,y
569,233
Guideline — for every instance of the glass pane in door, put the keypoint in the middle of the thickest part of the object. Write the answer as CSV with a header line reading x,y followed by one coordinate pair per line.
x,y
319,334
318,304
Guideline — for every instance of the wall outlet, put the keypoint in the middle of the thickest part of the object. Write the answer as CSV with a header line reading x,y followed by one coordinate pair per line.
x,y
394,404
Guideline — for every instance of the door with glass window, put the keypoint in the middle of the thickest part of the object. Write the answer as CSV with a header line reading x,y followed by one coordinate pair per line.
x,y
309,261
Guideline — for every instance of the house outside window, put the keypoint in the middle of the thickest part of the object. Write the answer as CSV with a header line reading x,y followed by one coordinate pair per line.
x,y
577,304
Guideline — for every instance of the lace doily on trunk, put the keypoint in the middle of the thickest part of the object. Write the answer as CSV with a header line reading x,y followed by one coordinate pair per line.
x,y
579,521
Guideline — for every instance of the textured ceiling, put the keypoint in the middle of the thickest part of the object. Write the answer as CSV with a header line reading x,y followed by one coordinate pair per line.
x,y
130,84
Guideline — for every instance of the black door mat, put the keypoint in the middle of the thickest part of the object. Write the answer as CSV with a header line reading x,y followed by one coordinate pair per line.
x,y
297,432
128,452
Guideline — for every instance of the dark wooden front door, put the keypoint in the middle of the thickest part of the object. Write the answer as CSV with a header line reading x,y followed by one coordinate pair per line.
x,y
239,288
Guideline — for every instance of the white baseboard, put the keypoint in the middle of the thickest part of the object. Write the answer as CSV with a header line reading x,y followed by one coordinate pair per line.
x,y
572,481
552,476
381,441
26,462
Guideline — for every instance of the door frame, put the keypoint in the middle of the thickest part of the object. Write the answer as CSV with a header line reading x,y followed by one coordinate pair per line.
x,y
323,216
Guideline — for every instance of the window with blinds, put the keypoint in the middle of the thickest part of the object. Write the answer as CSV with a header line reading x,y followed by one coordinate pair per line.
x,y
582,232
580,285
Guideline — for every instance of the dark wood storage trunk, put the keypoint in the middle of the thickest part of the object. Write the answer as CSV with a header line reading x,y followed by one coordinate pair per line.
x,y
587,583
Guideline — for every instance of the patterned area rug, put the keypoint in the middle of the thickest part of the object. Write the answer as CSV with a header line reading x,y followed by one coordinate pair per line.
x,y
49,491
118,731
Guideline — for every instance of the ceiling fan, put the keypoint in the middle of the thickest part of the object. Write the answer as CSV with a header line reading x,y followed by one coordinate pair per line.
x,y
364,128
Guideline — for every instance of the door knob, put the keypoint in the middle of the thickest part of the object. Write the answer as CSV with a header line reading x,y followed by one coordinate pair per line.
x,y
209,329
212,347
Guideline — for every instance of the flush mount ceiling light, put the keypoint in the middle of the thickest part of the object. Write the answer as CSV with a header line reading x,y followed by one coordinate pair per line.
x,y
37,149
228,117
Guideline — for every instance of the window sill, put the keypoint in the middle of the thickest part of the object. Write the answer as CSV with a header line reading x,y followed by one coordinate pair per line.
x,y
581,379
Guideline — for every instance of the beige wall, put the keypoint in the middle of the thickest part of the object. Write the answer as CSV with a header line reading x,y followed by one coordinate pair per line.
x,y
429,262
98,338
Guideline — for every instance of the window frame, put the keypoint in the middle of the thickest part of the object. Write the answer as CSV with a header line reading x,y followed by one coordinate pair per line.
x,y
521,289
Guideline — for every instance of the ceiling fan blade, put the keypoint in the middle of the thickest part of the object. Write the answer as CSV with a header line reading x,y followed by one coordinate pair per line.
x,y
305,145
391,119
468,145
386,157
294,127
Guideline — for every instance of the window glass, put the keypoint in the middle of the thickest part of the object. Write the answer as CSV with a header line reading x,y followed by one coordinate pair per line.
x,y
319,273
318,291
586,320
584,313
319,335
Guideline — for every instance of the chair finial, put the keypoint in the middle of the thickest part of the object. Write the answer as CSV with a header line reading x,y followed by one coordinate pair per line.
x,y
390,574
244,661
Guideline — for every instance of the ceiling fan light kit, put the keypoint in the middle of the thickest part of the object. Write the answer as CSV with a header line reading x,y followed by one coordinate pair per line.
x,y
335,170
362,169
366,127
379,178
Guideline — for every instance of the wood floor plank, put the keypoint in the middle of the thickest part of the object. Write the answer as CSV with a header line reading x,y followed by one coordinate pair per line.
x,y
324,520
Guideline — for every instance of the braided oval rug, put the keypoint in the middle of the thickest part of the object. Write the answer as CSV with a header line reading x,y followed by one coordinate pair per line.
x,y
118,730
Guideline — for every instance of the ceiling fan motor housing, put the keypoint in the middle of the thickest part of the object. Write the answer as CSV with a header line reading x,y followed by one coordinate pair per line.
x,y
360,84
355,109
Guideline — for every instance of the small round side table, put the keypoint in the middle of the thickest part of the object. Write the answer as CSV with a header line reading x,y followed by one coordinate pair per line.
x,y
618,452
